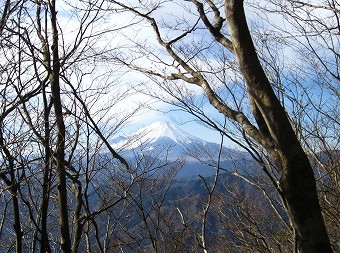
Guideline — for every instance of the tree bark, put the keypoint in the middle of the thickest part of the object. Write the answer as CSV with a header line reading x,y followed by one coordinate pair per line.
x,y
45,245
297,182
60,144
13,187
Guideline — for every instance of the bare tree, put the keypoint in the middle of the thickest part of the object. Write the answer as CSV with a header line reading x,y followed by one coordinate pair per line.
x,y
65,188
46,113
268,125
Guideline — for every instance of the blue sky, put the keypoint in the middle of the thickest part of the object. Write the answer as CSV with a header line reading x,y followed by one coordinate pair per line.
x,y
143,33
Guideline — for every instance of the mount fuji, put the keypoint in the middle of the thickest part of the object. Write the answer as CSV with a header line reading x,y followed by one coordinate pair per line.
x,y
167,141
162,136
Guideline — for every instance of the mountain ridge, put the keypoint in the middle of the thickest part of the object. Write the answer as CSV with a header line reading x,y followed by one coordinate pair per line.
x,y
159,134
176,142
167,142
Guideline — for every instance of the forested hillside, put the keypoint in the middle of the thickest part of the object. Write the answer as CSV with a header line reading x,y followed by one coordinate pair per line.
x,y
83,169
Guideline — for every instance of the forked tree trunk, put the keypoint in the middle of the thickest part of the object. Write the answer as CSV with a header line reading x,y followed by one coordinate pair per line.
x,y
297,182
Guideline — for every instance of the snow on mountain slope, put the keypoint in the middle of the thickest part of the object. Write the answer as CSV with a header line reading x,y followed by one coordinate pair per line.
x,y
164,140
160,129
158,134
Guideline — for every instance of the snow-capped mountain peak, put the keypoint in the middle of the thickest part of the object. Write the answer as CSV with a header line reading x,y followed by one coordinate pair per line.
x,y
158,133
163,139
160,129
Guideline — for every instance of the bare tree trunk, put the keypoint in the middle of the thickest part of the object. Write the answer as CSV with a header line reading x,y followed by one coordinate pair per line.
x,y
16,212
45,247
5,15
12,183
60,145
297,182
13,187
78,225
